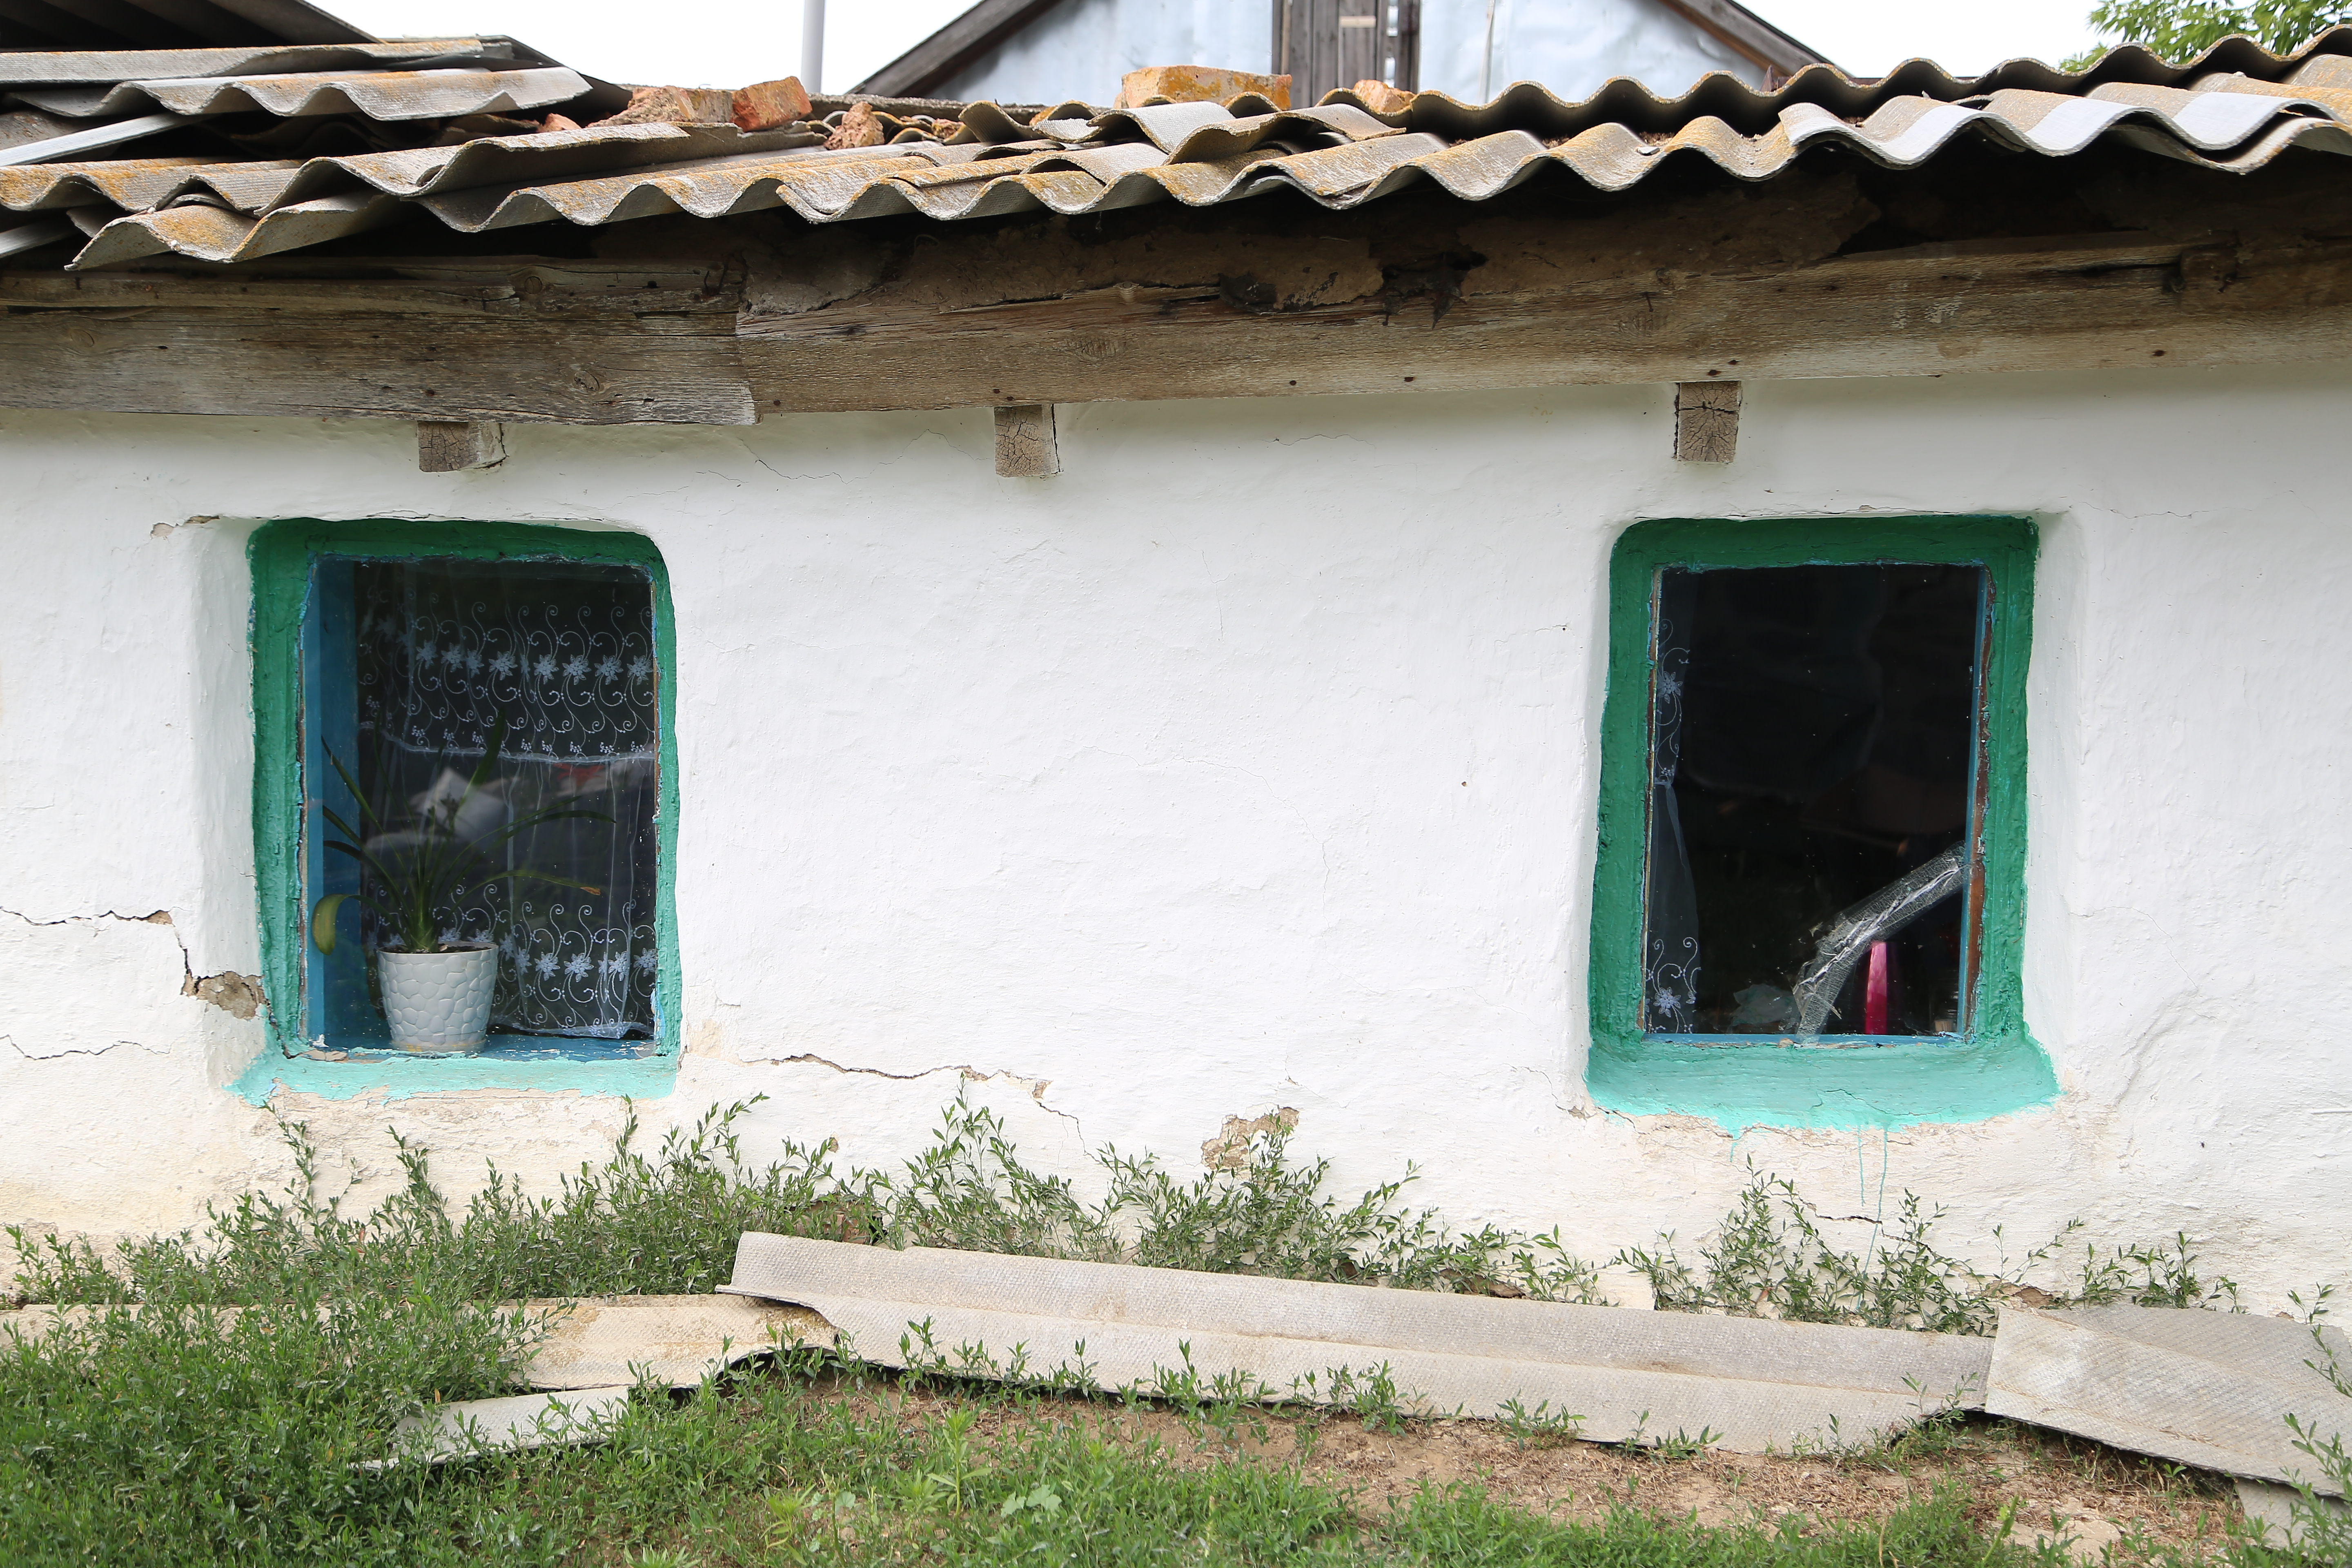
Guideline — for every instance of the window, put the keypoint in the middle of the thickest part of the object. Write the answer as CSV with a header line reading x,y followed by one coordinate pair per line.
x,y
1812,805
464,750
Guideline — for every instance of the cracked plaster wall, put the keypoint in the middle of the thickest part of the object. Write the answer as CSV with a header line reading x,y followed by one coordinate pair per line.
x,y
1247,763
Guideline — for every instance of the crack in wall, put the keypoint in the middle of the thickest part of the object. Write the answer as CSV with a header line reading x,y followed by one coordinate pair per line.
x,y
50,1056
1036,1086
154,917
239,995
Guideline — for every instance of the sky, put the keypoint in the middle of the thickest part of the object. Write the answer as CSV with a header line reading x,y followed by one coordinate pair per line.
x,y
733,42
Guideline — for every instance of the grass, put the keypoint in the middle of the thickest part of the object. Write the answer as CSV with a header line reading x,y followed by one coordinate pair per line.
x,y
180,1434
160,1447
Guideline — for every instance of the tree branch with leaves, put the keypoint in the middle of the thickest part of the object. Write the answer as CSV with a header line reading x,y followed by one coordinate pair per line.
x,y
2180,30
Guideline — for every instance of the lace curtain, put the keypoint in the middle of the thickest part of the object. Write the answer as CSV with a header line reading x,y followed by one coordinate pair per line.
x,y
1670,949
556,660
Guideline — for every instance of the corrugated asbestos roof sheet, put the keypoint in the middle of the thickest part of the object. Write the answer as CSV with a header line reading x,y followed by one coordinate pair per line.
x,y
2236,109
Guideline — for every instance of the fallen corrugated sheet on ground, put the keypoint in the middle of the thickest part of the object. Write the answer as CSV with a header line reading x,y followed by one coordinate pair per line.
x,y
2210,1389
2273,1507
591,1341
1752,1385
678,1340
468,1427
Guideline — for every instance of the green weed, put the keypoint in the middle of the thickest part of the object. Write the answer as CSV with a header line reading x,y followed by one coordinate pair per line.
x,y
1538,1426
666,1224
1768,1258
182,1434
1264,1215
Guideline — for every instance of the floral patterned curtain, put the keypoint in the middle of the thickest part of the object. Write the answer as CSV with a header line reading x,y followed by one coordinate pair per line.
x,y
557,661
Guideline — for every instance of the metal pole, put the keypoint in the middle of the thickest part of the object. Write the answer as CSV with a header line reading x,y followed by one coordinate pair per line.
x,y
1486,60
812,45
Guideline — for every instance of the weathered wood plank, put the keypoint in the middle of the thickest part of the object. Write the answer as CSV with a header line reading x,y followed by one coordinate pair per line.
x,y
1999,305
1936,311
1026,447
675,370
518,288
1707,421
446,447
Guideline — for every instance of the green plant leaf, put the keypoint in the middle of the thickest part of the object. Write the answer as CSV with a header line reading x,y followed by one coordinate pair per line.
x,y
322,921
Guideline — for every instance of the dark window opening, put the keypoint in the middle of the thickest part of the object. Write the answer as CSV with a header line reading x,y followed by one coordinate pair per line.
x,y
505,716
1813,737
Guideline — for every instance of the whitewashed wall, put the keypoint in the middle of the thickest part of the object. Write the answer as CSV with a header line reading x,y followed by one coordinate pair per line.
x,y
1081,48
1248,763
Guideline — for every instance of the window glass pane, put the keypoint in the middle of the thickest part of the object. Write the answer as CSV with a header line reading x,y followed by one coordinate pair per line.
x,y
1812,750
419,669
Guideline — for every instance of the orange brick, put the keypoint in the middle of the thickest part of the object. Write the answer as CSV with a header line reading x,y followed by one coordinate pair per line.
x,y
768,105
1197,84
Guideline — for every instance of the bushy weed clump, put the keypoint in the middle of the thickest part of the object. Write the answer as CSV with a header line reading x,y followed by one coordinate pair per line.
x,y
668,1225
1264,1215
663,1225
1770,1258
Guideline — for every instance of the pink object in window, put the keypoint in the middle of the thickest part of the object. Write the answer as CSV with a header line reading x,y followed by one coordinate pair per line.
x,y
1878,989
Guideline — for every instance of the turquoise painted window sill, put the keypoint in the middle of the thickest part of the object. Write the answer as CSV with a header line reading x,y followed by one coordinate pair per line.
x,y
1996,1068
1899,1084
631,1067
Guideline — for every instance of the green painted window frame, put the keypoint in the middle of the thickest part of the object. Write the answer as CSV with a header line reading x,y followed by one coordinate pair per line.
x,y
281,555
1993,1068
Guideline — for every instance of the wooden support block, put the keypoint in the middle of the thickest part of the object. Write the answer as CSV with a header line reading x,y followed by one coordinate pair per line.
x,y
1707,421
450,446
1025,441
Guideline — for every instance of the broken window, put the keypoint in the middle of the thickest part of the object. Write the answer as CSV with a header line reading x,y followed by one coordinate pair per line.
x,y
1812,861
482,776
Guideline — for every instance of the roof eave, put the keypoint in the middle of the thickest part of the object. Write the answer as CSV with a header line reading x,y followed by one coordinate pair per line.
x,y
946,53
1749,36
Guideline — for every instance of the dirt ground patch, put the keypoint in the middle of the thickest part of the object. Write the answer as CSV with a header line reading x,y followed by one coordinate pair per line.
x,y
2089,1496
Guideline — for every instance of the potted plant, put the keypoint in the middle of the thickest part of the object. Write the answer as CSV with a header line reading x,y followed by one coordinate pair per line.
x,y
436,995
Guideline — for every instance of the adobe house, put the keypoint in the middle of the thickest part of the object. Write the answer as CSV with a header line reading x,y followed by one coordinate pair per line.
x,y
1584,646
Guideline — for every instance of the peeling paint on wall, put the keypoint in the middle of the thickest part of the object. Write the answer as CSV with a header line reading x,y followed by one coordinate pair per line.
x,y
238,996
1230,1148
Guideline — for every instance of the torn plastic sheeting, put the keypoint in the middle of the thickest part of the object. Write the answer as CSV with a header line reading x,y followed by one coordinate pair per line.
x,y
1753,1385
469,1426
2210,1389
677,1340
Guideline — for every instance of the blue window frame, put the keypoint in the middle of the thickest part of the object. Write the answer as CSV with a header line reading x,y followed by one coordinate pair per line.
x,y
511,685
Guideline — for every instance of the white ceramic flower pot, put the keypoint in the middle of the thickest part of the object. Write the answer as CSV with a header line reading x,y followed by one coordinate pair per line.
x,y
438,1002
